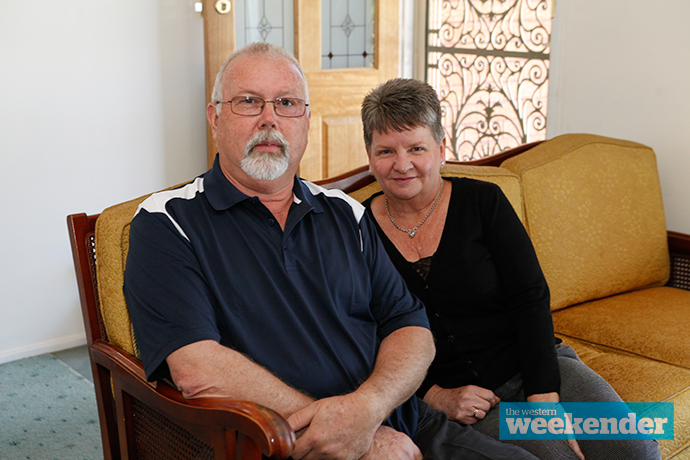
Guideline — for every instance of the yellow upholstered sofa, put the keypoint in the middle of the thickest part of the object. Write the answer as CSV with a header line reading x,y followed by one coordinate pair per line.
x,y
592,206
620,283
594,211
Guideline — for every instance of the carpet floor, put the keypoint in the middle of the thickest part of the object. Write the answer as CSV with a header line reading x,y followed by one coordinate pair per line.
x,y
47,411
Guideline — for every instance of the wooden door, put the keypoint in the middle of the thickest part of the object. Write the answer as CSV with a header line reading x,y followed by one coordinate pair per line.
x,y
219,43
336,142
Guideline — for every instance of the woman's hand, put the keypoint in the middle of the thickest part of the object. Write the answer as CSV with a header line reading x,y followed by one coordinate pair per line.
x,y
466,404
554,398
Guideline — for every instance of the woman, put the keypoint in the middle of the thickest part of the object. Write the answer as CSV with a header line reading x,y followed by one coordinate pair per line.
x,y
463,251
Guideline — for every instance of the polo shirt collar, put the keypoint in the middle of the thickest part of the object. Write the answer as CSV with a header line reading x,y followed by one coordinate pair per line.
x,y
222,194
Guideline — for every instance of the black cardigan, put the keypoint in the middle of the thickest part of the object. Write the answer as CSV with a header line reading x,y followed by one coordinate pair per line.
x,y
486,296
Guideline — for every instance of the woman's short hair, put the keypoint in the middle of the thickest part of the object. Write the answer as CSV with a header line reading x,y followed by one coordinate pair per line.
x,y
254,49
400,104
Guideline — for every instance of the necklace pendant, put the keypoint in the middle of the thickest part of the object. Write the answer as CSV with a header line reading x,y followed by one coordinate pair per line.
x,y
412,232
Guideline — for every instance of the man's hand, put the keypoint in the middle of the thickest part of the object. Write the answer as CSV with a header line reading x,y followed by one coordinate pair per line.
x,y
339,428
390,444
460,403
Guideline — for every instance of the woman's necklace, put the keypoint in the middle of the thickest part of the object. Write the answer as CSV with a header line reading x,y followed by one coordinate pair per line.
x,y
412,232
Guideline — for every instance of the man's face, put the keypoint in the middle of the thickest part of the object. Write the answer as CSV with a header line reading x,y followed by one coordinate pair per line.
x,y
252,147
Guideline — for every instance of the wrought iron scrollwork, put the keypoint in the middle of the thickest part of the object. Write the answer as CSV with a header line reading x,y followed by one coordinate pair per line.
x,y
489,62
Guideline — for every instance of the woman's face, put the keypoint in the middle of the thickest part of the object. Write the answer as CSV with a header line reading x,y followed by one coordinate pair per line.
x,y
406,163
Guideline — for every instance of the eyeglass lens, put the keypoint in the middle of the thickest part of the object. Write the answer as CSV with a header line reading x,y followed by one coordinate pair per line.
x,y
284,107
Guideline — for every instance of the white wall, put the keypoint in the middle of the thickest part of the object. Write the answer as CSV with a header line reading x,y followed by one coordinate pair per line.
x,y
619,68
100,101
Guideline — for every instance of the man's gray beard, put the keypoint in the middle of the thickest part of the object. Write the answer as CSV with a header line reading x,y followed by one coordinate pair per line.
x,y
266,165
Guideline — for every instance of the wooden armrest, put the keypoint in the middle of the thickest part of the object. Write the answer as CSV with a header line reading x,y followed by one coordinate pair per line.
x,y
498,158
349,181
679,250
267,429
679,243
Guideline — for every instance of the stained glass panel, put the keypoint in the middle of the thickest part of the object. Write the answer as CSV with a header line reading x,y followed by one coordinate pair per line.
x,y
269,21
347,33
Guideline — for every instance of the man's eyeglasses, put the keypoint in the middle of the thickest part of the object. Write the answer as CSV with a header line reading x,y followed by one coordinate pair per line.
x,y
252,106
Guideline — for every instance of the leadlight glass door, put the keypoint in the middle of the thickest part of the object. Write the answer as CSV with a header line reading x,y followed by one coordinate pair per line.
x,y
489,62
345,47
336,144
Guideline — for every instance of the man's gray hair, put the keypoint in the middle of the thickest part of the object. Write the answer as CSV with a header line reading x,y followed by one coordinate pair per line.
x,y
400,104
254,49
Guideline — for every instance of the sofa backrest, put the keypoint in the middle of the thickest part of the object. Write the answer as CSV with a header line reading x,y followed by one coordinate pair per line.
x,y
594,211
112,246
508,181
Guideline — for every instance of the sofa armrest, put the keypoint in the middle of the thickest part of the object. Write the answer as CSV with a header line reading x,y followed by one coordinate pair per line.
x,y
259,430
679,250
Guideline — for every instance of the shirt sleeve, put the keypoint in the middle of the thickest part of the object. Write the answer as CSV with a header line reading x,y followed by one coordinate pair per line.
x,y
392,304
168,299
526,293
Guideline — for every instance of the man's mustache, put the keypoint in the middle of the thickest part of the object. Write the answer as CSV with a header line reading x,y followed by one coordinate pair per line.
x,y
269,135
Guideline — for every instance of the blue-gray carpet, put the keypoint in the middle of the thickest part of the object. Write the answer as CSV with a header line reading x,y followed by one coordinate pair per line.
x,y
47,411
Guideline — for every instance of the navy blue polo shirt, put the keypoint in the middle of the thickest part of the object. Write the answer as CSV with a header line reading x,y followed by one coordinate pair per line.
x,y
310,303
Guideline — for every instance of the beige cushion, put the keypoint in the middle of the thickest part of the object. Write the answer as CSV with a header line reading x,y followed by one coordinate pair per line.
x,y
662,382
650,322
508,181
112,245
621,370
594,212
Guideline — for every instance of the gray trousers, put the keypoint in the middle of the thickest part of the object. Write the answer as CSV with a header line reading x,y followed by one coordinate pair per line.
x,y
440,439
579,383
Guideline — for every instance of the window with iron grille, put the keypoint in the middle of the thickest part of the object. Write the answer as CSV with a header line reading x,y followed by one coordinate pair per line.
x,y
489,62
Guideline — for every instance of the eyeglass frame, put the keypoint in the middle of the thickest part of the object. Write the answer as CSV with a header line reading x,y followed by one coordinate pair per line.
x,y
263,105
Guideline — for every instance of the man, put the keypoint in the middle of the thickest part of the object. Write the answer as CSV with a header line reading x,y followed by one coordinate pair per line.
x,y
251,284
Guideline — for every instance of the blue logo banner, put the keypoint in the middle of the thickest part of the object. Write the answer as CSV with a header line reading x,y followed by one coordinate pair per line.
x,y
590,421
